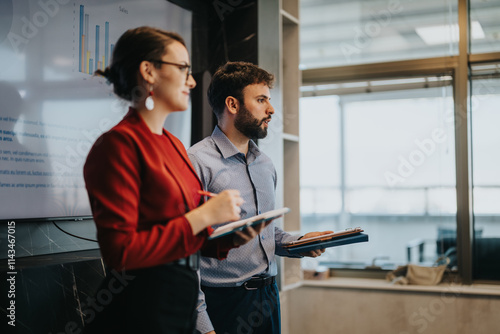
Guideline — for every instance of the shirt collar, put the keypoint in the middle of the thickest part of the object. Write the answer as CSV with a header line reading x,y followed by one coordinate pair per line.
x,y
228,149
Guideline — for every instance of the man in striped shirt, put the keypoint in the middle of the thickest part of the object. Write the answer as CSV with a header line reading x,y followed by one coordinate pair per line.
x,y
239,294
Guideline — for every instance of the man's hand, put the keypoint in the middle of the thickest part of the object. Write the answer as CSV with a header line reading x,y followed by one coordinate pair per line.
x,y
316,252
244,236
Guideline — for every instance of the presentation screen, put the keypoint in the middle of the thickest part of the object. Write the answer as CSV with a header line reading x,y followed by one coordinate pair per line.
x,y
52,108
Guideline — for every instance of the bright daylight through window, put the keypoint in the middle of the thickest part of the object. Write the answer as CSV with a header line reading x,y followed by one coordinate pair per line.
x,y
383,111
386,168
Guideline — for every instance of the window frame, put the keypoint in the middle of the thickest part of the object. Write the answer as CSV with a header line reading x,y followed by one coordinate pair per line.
x,y
458,67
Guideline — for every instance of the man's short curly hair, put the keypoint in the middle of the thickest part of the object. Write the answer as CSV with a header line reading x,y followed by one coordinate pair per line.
x,y
230,79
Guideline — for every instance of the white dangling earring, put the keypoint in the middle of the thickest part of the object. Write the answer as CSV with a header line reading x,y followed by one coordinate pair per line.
x,y
150,103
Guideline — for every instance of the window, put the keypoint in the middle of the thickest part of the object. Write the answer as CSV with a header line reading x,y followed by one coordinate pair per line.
x,y
411,120
337,33
320,168
484,15
486,162
386,164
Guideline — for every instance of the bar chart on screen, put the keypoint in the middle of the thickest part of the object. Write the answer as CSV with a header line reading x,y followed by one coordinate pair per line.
x,y
90,56
52,106
97,25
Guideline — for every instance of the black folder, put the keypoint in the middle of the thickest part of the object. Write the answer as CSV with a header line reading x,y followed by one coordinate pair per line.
x,y
339,241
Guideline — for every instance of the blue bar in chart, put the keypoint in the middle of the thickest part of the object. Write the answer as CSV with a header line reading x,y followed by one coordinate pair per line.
x,y
80,62
86,43
96,59
106,43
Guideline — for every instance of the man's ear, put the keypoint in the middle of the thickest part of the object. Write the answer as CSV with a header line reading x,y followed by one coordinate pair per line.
x,y
147,71
232,105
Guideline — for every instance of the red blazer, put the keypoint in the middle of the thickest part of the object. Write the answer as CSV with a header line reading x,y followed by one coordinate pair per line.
x,y
140,186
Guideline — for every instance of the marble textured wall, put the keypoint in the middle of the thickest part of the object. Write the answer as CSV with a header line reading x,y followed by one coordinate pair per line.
x,y
53,274
50,297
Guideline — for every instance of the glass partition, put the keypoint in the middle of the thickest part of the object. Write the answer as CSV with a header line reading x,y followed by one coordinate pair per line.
x,y
484,16
338,33
385,162
485,118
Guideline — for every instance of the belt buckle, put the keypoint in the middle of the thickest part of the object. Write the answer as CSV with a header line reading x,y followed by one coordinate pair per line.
x,y
194,261
245,285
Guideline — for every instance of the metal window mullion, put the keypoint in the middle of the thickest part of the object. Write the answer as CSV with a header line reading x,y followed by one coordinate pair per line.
x,y
343,209
463,170
375,89
344,217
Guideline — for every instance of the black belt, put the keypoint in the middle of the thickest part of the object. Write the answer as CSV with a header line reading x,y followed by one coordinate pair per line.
x,y
258,282
192,261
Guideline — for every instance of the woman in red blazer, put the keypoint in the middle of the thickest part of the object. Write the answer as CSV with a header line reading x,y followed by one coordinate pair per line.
x,y
144,196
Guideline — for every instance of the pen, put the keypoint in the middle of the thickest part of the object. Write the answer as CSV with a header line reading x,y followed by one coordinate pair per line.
x,y
206,193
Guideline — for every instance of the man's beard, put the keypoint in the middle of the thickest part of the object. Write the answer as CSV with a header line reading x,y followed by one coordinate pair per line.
x,y
248,125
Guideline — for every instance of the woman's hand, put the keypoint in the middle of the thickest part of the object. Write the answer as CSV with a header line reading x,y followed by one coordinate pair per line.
x,y
219,209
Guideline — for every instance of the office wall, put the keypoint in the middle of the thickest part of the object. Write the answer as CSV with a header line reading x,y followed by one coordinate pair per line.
x,y
353,311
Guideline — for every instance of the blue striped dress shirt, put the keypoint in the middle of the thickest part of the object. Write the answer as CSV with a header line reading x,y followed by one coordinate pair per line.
x,y
220,165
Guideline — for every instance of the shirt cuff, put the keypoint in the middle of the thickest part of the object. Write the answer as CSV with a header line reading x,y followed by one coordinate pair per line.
x,y
203,323
280,251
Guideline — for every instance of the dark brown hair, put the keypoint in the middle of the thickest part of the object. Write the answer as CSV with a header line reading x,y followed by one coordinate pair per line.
x,y
133,47
230,79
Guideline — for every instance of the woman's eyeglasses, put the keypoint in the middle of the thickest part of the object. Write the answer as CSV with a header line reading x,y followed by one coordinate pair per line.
x,y
183,67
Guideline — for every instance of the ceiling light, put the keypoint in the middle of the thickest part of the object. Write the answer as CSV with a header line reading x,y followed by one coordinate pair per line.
x,y
443,34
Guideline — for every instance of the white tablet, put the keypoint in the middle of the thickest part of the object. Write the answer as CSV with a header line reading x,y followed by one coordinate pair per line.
x,y
244,223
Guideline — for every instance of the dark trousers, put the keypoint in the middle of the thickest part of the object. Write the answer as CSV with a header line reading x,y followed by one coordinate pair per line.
x,y
153,300
240,311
